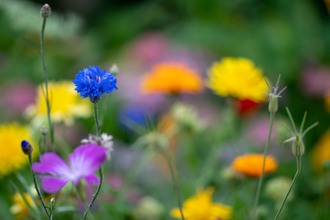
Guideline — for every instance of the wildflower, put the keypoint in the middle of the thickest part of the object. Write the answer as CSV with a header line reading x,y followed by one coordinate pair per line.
x,y
321,152
93,83
65,104
103,140
83,162
45,11
201,207
172,78
11,157
19,208
251,164
237,77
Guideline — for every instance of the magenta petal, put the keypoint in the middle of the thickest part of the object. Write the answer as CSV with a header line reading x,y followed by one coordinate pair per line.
x,y
87,159
92,179
52,184
51,163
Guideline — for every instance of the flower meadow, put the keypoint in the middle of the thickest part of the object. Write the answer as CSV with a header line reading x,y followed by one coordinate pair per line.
x,y
161,110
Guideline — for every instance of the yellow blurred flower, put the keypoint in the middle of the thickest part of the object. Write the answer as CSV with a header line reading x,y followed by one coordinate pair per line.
x,y
20,209
251,164
321,152
238,77
172,78
65,103
201,207
12,158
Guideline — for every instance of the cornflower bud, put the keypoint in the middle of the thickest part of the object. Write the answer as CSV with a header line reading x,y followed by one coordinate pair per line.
x,y
45,11
114,69
43,130
26,147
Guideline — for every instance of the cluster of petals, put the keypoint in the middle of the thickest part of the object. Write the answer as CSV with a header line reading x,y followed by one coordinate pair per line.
x,y
239,78
93,82
83,162
201,207
251,164
172,78
104,140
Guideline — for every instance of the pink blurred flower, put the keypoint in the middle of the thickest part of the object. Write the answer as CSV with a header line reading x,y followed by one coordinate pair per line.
x,y
18,96
83,162
315,81
257,131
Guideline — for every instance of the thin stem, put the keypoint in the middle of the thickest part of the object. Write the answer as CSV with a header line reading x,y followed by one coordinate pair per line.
x,y
100,170
174,182
293,182
36,187
95,194
46,82
96,118
263,166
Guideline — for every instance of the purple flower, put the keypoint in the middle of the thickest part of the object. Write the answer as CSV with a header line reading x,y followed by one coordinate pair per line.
x,y
83,162
93,83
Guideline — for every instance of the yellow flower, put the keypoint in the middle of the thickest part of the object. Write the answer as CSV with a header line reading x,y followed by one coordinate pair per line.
x,y
65,103
321,152
20,209
11,157
238,77
251,164
201,207
172,78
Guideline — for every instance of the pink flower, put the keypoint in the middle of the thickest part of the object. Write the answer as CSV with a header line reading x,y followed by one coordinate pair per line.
x,y
83,162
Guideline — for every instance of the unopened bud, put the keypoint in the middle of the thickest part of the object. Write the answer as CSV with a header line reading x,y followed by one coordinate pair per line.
x,y
43,130
45,11
114,69
298,147
26,147
273,103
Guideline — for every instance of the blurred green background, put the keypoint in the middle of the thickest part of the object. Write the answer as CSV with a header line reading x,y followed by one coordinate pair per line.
x,y
290,38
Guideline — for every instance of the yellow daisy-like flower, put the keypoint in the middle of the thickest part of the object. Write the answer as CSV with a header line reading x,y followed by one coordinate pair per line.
x,y
20,209
321,152
65,103
172,78
12,158
238,77
251,164
201,207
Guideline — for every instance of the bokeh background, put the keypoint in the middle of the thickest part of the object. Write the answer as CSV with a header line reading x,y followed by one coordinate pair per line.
x,y
290,38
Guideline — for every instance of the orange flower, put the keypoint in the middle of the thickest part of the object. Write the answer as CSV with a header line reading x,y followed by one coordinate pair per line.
x,y
251,164
172,78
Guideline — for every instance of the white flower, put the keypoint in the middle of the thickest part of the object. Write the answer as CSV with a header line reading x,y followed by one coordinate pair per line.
x,y
104,140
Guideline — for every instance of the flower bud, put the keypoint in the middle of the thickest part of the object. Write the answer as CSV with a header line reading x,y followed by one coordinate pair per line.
x,y
156,141
43,130
273,103
45,11
26,147
298,147
114,69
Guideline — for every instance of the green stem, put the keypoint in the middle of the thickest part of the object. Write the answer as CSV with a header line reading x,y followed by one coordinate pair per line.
x,y
37,189
100,170
174,182
254,215
46,82
96,118
293,182
95,194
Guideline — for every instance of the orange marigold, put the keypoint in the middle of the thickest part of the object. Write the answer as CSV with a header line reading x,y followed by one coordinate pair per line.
x,y
172,78
251,164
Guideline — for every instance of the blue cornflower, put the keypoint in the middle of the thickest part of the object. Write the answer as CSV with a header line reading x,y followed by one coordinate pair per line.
x,y
93,83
